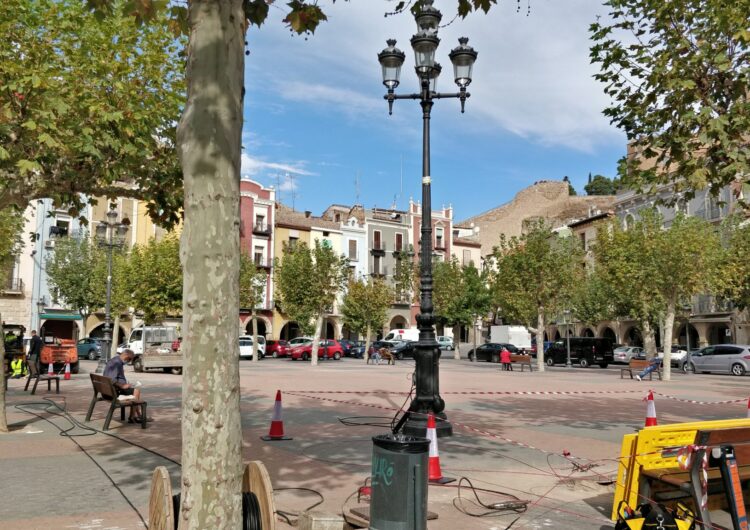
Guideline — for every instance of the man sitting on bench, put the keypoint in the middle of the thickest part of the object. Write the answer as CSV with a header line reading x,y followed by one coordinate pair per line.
x,y
654,364
115,370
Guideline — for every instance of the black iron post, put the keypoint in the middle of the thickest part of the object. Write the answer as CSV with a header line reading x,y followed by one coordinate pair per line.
x,y
427,352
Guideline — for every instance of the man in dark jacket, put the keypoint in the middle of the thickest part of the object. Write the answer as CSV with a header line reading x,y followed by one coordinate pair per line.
x,y
35,348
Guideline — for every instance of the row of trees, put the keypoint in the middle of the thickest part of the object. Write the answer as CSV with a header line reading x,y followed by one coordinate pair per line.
x,y
646,272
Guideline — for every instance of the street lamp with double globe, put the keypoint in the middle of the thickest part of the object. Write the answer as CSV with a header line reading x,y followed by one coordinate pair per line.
x,y
110,234
425,43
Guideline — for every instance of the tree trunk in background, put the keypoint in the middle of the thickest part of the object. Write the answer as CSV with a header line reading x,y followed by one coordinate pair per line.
x,y
367,344
666,341
115,336
540,340
316,341
456,340
649,339
208,141
256,357
474,334
3,383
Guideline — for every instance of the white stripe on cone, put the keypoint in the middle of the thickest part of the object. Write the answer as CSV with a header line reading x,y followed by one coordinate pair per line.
x,y
650,410
50,369
67,370
277,408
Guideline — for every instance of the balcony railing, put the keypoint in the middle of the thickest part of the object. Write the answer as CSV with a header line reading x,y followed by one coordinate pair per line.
x,y
705,304
378,249
13,286
261,229
262,263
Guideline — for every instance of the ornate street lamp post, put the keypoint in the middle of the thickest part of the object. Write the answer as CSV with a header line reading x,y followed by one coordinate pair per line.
x,y
110,234
424,44
566,321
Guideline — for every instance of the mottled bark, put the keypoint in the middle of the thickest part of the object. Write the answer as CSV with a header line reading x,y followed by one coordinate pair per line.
x,y
316,341
367,344
649,339
3,384
456,339
540,340
256,357
666,341
209,139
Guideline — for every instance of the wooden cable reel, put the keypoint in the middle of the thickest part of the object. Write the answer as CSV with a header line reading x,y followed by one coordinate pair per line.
x,y
255,479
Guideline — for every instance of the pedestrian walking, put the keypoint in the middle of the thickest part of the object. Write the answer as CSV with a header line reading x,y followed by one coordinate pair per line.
x,y
505,359
35,348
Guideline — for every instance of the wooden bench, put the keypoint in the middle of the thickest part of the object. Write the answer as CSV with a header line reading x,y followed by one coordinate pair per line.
x,y
104,390
38,376
523,360
635,366
671,483
385,355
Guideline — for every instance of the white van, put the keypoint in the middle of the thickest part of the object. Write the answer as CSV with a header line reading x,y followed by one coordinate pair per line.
x,y
402,334
143,336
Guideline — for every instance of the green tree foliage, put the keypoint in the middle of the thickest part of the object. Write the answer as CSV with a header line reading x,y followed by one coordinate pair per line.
x,y
571,190
308,280
365,307
590,300
11,243
156,279
406,276
677,74
533,276
732,279
601,185
649,269
253,282
89,107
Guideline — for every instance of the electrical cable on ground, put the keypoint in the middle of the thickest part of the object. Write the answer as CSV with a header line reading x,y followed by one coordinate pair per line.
x,y
287,515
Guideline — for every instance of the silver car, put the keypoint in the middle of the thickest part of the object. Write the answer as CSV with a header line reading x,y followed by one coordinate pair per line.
x,y
729,358
623,354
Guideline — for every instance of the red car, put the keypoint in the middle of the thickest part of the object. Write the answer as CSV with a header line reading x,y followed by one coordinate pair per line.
x,y
277,348
327,349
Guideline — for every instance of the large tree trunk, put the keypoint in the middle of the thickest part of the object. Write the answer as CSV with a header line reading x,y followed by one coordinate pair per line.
x,y
649,339
367,343
316,341
256,357
3,417
540,340
456,340
208,141
666,340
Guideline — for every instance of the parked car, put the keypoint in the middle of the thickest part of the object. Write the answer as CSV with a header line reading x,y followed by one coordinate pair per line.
x,y
298,341
358,350
376,345
89,348
405,348
677,357
277,348
347,346
583,350
246,347
545,344
490,352
623,354
327,349
728,358
446,343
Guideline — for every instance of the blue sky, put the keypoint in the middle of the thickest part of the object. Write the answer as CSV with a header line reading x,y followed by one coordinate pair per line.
x,y
315,118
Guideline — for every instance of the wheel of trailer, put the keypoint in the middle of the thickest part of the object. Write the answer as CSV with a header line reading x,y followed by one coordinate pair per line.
x,y
138,364
584,363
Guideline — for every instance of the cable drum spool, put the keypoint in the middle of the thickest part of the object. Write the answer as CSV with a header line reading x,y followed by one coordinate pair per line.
x,y
251,516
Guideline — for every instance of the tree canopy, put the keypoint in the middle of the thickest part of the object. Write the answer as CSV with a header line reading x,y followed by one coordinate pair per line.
x,y
365,306
677,75
601,185
91,107
156,278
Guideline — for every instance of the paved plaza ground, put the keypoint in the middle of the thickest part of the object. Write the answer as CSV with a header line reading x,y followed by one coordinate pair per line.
x,y
511,430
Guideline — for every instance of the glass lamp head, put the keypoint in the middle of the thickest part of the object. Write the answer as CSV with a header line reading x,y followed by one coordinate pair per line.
x,y
463,57
391,59
427,18
424,52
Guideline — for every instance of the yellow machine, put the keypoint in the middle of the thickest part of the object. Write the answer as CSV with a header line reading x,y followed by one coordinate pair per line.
x,y
649,471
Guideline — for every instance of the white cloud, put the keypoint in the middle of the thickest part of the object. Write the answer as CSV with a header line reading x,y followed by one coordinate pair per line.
x,y
532,78
252,167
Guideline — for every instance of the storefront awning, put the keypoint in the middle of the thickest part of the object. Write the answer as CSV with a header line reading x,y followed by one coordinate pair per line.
x,y
55,316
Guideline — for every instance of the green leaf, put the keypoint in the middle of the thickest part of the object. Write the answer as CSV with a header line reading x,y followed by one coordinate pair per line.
x,y
29,124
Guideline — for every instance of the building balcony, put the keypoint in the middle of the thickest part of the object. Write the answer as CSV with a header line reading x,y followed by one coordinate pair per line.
x,y
378,249
262,229
13,286
704,304
263,263
440,244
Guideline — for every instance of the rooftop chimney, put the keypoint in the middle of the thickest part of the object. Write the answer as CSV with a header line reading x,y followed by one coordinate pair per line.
x,y
307,213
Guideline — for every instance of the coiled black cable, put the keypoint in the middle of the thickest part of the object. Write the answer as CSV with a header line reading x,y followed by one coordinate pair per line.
x,y
251,517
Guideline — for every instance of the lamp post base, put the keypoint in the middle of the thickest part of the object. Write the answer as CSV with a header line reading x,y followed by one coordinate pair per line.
x,y
416,425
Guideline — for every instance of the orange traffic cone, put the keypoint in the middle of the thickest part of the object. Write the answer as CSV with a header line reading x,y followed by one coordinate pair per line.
x,y
276,432
434,474
67,370
650,410
50,370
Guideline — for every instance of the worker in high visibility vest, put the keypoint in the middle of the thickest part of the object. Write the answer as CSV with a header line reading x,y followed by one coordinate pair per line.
x,y
18,368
